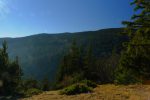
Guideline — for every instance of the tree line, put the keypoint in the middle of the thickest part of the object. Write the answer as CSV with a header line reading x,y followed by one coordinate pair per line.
x,y
12,82
81,64
131,66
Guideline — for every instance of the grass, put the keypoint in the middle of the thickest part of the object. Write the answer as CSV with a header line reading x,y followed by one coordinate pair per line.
x,y
102,92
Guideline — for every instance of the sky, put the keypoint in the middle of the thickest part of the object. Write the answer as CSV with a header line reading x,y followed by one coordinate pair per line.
x,y
20,18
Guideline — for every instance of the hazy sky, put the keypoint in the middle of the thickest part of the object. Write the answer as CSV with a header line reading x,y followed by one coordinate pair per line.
x,y
25,17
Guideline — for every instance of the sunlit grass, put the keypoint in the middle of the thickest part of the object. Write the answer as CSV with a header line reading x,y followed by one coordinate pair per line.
x,y
103,92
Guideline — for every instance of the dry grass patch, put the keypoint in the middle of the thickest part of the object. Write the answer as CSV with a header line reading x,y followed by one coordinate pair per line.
x,y
102,92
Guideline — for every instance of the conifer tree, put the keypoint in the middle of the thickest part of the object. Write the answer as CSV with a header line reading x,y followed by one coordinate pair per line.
x,y
4,65
89,64
75,60
135,59
71,66
10,73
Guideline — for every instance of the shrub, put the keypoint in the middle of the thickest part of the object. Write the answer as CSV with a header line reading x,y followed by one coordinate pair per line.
x,y
32,91
89,83
76,89
124,76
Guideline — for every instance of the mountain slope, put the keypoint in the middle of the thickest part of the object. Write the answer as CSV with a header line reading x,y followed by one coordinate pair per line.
x,y
40,54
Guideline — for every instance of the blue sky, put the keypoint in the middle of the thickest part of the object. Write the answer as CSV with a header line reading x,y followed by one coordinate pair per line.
x,y
26,17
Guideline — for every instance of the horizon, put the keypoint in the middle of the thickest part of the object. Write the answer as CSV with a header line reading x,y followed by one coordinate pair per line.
x,y
61,33
29,17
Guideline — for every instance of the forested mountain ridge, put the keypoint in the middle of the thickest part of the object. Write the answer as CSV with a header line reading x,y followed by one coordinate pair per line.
x,y
39,55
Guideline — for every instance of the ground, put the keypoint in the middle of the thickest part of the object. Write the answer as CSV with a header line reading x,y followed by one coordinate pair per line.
x,y
102,92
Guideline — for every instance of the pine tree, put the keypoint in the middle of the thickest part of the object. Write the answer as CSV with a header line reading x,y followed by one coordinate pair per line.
x,y
71,66
15,73
4,65
75,60
135,59
10,73
89,64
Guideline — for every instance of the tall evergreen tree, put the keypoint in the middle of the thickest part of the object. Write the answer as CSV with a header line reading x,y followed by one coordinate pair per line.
x,y
10,72
89,64
15,74
4,65
71,66
75,58
135,59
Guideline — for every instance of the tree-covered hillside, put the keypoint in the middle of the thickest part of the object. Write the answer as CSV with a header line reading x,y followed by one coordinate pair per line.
x,y
39,55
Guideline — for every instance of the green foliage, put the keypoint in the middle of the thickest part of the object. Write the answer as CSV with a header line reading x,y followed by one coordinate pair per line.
x,y
68,80
89,83
76,89
29,87
10,73
84,66
125,76
30,83
105,68
71,67
135,59
89,64
39,54
32,91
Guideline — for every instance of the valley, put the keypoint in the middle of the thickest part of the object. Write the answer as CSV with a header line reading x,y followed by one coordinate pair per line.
x,y
40,55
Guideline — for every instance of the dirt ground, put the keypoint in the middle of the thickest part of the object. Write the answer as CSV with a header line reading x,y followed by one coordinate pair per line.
x,y
102,92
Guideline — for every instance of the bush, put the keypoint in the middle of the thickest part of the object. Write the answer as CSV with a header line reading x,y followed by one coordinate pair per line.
x,y
89,83
76,89
32,91
124,76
